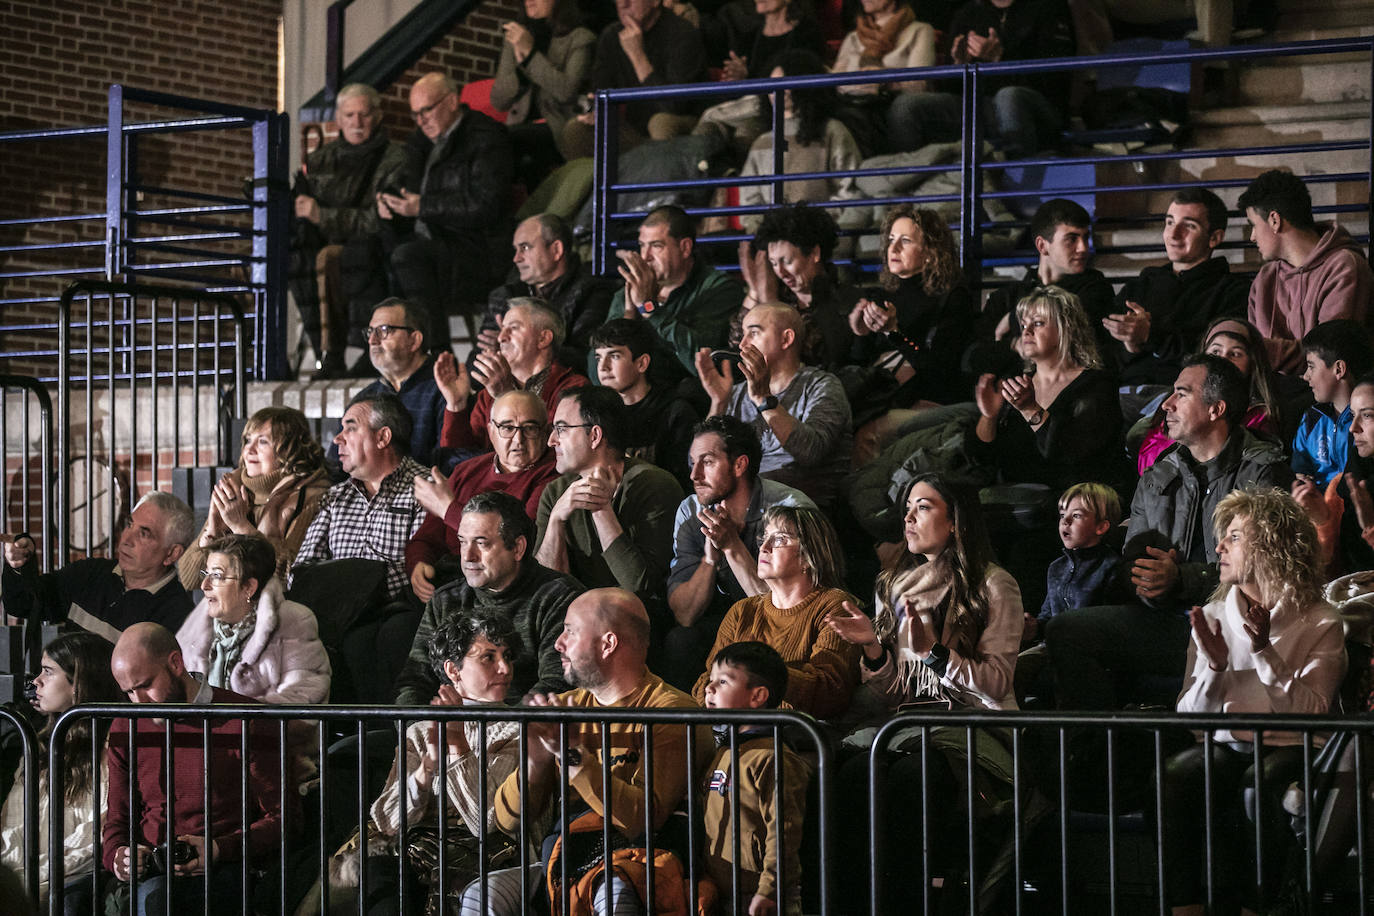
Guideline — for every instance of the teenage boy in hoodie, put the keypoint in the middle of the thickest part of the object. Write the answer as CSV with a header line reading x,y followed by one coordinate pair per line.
x,y
1313,272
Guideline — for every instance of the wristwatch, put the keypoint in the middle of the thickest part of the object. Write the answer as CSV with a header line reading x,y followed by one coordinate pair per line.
x,y
768,403
938,659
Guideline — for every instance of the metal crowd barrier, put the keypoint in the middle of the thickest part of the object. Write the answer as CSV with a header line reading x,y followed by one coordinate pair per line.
x,y
1045,770
225,236
199,727
27,463
154,369
27,778
973,162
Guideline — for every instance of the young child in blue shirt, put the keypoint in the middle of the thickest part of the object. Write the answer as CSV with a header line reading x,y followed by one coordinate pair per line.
x,y
1338,353
1086,575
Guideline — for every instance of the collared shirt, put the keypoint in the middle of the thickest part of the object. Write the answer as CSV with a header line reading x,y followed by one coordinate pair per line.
x,y
425,403
353,524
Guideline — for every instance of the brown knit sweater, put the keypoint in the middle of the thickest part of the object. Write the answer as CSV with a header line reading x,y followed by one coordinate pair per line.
x,y
822,669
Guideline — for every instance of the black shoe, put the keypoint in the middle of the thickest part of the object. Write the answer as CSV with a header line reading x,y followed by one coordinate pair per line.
x,y
331,367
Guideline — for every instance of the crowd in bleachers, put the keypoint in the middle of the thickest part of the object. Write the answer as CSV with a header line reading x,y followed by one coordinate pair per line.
x,y
685,486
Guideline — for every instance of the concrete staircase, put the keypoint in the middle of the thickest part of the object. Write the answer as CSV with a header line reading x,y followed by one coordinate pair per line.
x,y
1274,100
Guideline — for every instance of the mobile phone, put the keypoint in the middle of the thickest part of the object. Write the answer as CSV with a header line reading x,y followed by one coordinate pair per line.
x,y
720,356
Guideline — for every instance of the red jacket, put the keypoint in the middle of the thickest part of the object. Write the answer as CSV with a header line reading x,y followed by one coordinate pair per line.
x,y
439,536
188,814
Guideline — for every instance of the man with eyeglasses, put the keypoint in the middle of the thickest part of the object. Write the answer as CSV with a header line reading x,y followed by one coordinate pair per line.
x,y
608,520
521,465
337,266
452,252
524,360
105,595
397,339
716,540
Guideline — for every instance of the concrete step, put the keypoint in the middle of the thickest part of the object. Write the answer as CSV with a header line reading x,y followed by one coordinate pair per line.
x,y
1307,79
1325,113
1326,14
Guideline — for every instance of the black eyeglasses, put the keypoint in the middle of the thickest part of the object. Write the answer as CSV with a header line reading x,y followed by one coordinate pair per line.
x,y
383,331
420,114
527,430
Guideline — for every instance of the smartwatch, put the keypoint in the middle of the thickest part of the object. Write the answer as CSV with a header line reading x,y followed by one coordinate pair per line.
x,y
938,659
768,403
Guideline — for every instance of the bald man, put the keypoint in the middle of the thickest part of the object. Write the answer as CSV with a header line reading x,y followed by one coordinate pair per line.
x,y
800,412
461,212
603,647
147,664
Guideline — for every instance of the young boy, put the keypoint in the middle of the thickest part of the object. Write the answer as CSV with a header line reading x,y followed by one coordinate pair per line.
x,y
752,675
1338,353
1086,575
659,422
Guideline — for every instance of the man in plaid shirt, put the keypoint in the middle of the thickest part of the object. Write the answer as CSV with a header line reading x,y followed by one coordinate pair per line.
x,y
372,516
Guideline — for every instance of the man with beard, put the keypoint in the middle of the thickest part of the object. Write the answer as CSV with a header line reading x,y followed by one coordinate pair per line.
x,y
603,648
397,338
1171,551
521,466
525,360
499,575
686,301
715,541
337,267
147,664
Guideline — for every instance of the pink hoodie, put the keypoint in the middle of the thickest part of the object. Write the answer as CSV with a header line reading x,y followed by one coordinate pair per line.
x,y
1286,302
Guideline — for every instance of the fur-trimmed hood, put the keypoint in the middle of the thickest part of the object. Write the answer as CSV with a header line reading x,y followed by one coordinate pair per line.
x,y
283,661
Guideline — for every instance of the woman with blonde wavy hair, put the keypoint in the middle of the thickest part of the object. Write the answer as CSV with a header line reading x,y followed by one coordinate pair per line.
x,y
1266,643
1059,422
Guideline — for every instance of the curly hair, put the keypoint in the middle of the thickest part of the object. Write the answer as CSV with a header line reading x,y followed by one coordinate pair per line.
x,y
940,271
809,228
1282,553
456,633
1077,344
969,554
298,451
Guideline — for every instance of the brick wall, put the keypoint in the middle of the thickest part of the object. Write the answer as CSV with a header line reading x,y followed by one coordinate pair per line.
x,y
469,52
207,49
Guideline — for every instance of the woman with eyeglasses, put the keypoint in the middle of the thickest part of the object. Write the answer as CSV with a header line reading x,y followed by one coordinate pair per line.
x,y
275,491
801,563
245,636
75,669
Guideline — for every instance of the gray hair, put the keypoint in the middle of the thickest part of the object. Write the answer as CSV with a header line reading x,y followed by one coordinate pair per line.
x,y
544,315
386,411
179,522
363,90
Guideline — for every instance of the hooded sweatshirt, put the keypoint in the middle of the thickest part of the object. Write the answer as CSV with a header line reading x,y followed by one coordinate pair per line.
x,y
1286,301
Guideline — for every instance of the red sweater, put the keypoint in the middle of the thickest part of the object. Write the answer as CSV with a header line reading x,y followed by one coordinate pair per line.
x,y
264,811
467,428
439,536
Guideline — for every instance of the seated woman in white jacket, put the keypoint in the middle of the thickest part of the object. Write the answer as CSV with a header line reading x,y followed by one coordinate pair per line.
x,y
1267,643
245,636
75,669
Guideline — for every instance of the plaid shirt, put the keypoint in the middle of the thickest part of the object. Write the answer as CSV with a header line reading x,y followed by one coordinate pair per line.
x,y
351,524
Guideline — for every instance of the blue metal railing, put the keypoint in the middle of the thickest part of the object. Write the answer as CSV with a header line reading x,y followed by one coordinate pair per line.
x,y
973,164
225,240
